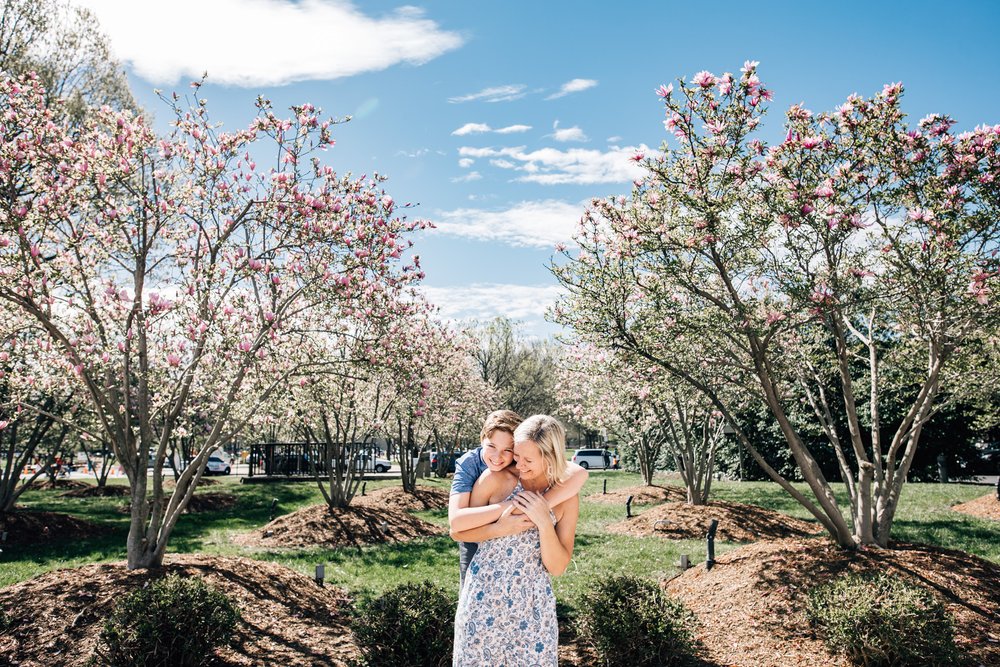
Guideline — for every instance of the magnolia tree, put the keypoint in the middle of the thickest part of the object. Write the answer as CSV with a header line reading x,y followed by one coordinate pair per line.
x,y
34,408
644,409
344,405
175,275
858,249
438,392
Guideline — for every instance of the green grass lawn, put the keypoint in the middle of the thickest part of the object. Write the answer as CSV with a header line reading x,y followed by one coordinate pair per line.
x,y
924,516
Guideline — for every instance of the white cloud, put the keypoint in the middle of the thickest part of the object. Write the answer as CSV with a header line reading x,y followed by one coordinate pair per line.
x,y
613,140
569,134
484,301
574,86
511,129
472,128
481,128
471,176
494,94
417,153
466,162
503,164
551,166
165,42
540,224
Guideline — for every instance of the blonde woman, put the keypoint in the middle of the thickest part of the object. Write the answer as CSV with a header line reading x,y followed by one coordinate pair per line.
x,y
507,611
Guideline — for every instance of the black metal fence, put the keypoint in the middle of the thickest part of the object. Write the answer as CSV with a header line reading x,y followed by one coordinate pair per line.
x,y
302,459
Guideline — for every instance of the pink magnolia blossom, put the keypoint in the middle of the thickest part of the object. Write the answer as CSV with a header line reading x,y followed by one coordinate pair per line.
x,y
704,79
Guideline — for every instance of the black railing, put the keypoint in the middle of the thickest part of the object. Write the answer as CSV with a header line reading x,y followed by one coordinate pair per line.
x,y
302,459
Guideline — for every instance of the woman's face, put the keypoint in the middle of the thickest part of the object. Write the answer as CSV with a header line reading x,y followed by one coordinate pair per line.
x,y
498,450
531,465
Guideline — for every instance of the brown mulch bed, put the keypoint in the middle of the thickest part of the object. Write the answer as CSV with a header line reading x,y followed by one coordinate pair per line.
x,y
94,491
204,481
287,619
60,485
751,603
641,495
986,507
395,498
35,527
737,522
210,501
357,525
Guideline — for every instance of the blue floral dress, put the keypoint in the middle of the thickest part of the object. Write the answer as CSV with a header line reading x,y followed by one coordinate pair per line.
x,y
507,610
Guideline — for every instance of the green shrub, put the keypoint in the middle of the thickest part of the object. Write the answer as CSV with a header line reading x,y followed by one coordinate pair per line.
x,y
631,622
172,621
411,625
881,620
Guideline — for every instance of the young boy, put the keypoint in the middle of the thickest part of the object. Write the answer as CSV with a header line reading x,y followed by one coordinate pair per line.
x,y
496,452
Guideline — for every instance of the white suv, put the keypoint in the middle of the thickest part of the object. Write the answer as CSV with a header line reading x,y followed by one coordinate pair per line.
x,y
595,458
216,466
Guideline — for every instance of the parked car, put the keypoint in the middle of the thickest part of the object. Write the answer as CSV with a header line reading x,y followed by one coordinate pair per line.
x,y
369,463
595,458
216,466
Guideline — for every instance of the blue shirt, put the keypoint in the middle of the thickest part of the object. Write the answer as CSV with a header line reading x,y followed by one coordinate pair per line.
x,y
468,468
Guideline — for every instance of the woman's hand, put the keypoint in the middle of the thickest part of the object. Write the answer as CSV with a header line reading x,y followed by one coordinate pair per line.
x,y
512,524
535,507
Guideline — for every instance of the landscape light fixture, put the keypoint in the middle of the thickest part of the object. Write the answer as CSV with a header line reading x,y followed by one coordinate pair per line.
x,y
320,574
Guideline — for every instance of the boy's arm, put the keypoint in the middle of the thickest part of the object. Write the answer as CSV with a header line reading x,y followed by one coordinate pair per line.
x,y
507,524
462,517
570,488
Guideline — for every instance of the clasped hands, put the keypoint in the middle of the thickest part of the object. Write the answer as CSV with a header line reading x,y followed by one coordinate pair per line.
x,y
525,510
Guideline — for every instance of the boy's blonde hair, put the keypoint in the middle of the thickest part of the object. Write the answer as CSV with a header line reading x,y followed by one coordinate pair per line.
x,y
499,420
550,437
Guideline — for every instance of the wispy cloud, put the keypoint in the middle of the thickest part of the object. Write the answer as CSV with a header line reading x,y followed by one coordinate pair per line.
x,y
540,224
466,162
551,166
494,94
471,176
574,86
482,128
472,128
511,129
306,40
484,301
567,133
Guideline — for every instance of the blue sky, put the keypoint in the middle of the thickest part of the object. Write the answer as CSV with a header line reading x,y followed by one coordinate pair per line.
x,y
569,86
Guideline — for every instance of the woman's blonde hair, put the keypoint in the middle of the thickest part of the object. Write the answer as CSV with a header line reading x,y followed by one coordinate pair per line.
x,y
550,437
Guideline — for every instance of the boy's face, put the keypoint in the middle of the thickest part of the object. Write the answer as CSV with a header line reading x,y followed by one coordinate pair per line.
x,y
498,450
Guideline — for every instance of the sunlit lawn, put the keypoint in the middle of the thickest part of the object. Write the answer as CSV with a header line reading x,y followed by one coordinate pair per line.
x,y
923,517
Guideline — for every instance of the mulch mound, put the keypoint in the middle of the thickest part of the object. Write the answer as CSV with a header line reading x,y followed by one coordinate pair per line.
x,y
26,527
641,495
211,501
317,525
737,522
287,619
987,507
751,603
395,498
60,485
204,481
93,491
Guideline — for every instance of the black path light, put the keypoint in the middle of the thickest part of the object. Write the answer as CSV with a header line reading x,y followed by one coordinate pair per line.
x,y
606,487
710,539
364,485
274,509
628,507
320,574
